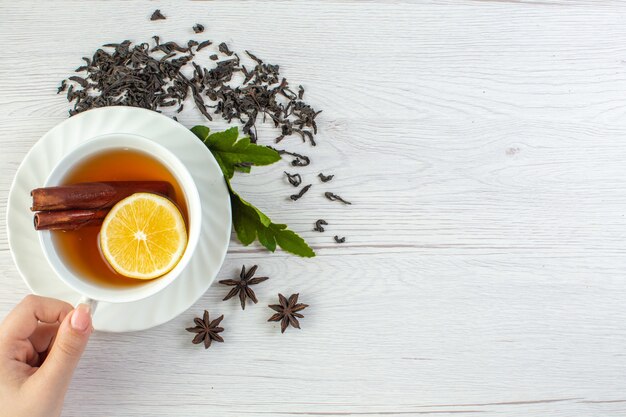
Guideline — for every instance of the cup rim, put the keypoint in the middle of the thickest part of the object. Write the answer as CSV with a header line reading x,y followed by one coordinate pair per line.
x,y
157,151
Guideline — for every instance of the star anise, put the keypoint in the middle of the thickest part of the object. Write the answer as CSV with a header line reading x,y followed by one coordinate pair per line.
x,y
242,286
206,330
287,311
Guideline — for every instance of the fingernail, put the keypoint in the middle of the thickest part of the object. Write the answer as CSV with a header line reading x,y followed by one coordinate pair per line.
x,y
81,319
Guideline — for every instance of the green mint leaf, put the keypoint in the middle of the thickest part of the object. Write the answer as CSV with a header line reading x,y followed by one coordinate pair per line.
x,y
249,222
245,220
267,239
222,140
248,208
230,152
242,168
290,242
202,132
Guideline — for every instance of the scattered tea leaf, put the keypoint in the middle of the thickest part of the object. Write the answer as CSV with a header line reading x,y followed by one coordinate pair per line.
x,y
325,178
83,82
198,28
294,179
340,240
154,77
335,197
303,191
62,87
318,225
203,45
223,48
253,57
157,15
298,161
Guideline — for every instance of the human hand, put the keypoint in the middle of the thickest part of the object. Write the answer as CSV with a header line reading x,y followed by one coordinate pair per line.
x,y
41,342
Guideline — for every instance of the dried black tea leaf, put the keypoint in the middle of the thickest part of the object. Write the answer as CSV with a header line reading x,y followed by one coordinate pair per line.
x,y
70,93
83,82
254,58
173,46
340,240
298,161
198,28
294,179
223,48
155,77
157,15
303,191
62,87
203,45
197,98
335,197
319,225
325,178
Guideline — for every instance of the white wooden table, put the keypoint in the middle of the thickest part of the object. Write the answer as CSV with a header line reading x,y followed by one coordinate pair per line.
x,y
484,146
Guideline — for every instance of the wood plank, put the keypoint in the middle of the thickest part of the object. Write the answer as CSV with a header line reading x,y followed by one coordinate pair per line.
x,y
482,145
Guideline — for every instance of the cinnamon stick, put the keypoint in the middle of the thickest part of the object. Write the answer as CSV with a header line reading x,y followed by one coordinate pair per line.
x,y
93,195
69,219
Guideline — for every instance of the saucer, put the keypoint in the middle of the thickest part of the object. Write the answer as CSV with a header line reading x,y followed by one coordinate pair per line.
x,y
215,204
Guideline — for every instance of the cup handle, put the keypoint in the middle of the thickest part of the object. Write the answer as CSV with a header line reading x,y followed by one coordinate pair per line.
x,y
93,304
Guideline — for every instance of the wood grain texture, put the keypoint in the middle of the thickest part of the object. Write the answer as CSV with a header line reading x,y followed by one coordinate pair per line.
x,y
482,143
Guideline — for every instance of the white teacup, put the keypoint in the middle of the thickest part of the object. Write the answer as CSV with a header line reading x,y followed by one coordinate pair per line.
x,y
92,291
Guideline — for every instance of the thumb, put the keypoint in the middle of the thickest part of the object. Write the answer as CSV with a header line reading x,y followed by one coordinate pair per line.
x,y
68,347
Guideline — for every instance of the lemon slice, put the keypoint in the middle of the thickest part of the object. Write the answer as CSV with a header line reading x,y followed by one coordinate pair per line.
x,y
143,236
